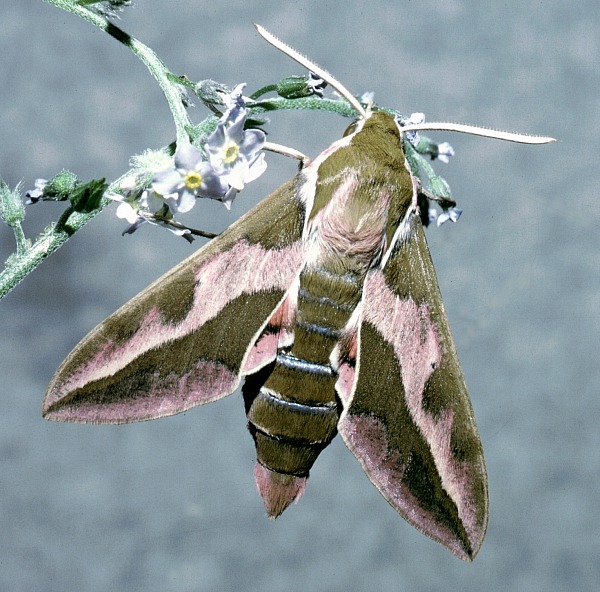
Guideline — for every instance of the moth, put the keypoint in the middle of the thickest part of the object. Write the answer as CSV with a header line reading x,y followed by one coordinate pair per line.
x,y
325,300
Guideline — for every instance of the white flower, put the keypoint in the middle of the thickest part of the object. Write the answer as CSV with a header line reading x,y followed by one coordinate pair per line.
x,y
233,151
191,177
414,119
233,161
445,151
452,214
34,195
367,98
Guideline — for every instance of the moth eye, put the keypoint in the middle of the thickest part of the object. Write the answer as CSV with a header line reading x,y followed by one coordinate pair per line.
x,y
353,127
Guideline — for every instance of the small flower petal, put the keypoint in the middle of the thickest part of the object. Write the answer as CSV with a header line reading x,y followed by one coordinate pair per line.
x,y
253,141
229,197
166,181
415,118
367,98
185,203
129,183
34,195
187,157
445,151
452,214
432,215
127,212
213,184
316,84
236,99
256,168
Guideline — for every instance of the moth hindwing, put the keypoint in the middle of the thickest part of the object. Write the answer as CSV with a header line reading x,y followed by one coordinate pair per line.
x,y
324,298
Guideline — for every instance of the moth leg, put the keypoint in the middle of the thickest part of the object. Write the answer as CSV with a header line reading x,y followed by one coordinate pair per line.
x,y
424,192
286,151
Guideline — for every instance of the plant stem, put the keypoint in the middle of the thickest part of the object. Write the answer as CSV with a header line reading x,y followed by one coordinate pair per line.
x,y
154,64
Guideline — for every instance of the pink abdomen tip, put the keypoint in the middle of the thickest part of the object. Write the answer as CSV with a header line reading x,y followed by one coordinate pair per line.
x,y
277,490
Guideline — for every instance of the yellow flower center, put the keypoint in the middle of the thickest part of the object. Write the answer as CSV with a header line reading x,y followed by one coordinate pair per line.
x,y
230,153
193,180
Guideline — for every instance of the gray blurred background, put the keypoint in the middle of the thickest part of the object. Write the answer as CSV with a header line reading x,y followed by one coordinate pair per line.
x,y
171,504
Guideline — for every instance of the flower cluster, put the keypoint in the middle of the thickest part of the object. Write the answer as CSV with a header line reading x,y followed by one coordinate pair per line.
x,y
414,119
423,145
439,188
230,158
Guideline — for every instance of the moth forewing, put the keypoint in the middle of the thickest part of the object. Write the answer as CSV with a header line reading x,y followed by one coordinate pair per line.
x,y
187,338
409,419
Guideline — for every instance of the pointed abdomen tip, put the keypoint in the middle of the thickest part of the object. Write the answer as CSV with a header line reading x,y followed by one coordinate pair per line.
x,y
277,490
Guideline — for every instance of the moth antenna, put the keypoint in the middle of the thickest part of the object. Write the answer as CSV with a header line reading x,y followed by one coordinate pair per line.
x,y
478,131
306,63
438,126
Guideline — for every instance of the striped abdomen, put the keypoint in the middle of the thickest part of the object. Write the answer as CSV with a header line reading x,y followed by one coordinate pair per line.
x,y
295,413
